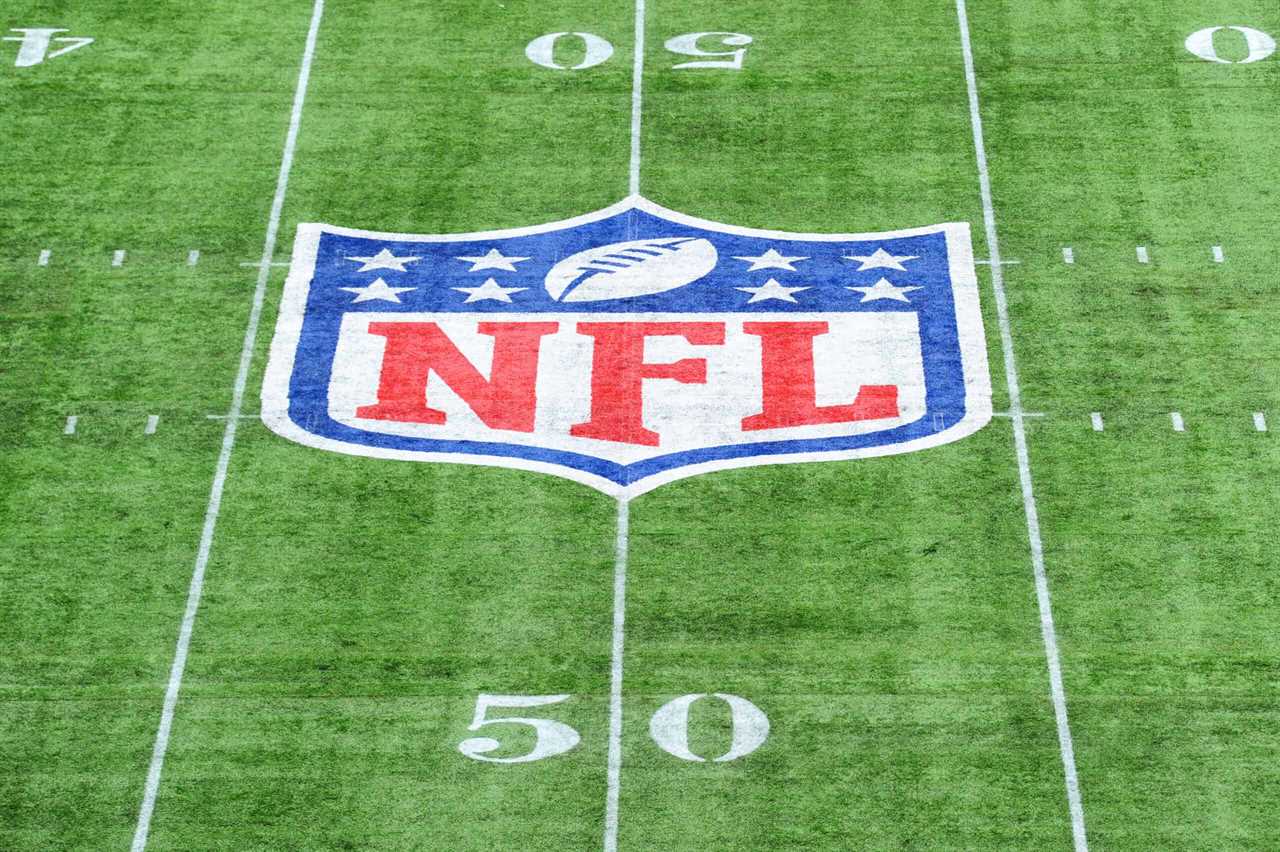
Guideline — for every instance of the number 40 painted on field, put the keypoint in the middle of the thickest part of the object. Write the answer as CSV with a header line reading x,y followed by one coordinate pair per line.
x,y
541,51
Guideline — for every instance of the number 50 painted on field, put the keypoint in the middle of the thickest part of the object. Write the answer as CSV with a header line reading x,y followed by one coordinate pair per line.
x,y
541,51
669,728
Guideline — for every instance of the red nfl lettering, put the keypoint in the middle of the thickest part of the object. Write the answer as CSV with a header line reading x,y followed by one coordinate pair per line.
x,y
506,400
618,371
789,394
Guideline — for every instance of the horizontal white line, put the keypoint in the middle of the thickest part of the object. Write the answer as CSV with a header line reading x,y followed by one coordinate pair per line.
x,y
258,263
1096,418
237,416
1002,262
1024,414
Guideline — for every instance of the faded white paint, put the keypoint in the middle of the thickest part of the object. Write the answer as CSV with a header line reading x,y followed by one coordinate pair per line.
x,y
35,43
687,45
1096,419
669,727
70,427
1260,421
117,259
541,51
153,420
43,260
1175,417
1218,255
1143,255
1258,44
1068,255
193,257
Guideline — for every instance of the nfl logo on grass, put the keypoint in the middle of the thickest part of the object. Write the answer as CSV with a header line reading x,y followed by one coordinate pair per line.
x,y
629,347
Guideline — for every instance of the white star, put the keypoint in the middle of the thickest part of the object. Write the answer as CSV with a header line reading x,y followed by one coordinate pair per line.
x,y
881,259
771,260
771,290
490,289
883,289
383,260
377,290
493,260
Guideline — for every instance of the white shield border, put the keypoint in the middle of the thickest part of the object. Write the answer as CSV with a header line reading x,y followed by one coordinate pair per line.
x,y
288,332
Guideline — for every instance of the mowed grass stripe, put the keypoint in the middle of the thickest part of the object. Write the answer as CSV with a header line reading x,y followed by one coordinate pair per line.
x,y
342,584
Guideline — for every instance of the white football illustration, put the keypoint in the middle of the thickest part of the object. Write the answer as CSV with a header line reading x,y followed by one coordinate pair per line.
x,y
631,269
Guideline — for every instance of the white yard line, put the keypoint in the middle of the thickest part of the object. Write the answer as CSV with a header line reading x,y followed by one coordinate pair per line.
x,y
1047,631
117,259
1259,421
622,540
621,546
153,420
1068,255
70,427
1218,256
637,99
1096,418
1143,255
43,260
228,442
1175,417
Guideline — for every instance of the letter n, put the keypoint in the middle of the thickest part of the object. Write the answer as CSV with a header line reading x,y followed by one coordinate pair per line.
x,y
506,400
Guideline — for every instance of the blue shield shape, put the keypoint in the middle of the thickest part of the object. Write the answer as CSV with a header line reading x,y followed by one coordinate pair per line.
x,y
628,347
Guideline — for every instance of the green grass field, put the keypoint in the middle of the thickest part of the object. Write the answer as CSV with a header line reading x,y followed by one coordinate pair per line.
x,y
883,612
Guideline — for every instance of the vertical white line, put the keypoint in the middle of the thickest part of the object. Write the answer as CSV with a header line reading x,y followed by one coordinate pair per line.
x,y
153,420
1218,255
621,546
1259,421
1175,417
1047,630
1096,417
44,257
1068,255
1143,256
637,99
70,428
117,259
193,257
228,442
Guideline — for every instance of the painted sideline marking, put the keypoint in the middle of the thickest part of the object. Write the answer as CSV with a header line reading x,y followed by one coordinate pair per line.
x,y
153,420
1023,414
1143,257
1068,255
193,257
117,259
228,442
1047,630
70,428
1096,418
259,263
45,254
997,262
1218,256
1178,424
1259,421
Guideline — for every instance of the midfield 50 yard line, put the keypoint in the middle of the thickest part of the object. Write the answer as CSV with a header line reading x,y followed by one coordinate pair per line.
x,y
156,769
